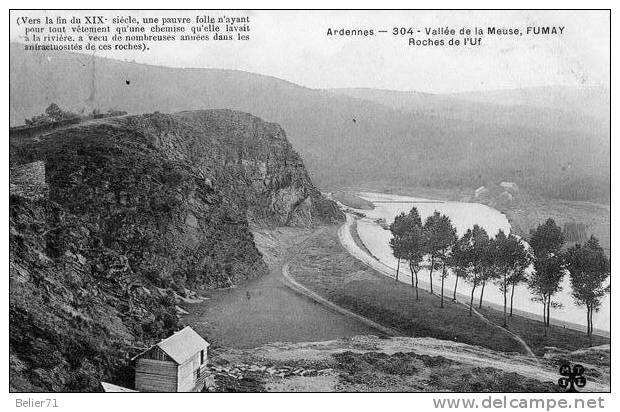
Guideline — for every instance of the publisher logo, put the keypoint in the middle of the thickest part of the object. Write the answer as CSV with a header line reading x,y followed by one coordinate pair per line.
x,y
572,378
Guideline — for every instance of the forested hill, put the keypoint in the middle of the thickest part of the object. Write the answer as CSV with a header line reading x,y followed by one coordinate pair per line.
x,y
584,109
343,140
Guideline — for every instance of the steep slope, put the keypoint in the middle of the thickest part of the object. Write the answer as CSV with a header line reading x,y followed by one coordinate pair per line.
x,y
112,220
343,140
249,161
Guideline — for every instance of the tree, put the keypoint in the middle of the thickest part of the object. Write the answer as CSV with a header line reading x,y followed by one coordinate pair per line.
x,y
398,229
547,239
546,242
440,236
401,228
490,262
460,261
54,112
545,282
588,268
398,250
512,259
478,241
448,232
414,246
519,272
503,262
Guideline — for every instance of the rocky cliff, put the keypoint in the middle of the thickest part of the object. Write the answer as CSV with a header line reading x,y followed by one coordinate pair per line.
x,y
251,161
137,212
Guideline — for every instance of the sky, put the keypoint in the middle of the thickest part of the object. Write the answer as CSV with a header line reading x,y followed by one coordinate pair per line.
x,y
292,45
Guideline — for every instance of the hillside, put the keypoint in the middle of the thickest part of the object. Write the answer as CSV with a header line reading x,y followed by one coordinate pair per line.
x,y
113,221
589,101
553,108
343,140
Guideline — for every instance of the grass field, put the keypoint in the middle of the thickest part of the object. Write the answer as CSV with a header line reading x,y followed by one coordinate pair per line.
x,y
324,266
532,331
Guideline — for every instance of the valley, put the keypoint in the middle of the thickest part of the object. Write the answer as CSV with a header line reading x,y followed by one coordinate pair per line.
x,y
553,142
222,223
432,347
255,211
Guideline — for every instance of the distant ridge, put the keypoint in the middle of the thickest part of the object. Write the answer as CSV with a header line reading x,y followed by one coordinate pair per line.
x,y
541,107
346,138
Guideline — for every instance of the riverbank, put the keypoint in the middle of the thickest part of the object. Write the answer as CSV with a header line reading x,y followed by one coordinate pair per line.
x,y
374,238
265,310
524,213
350,199
446,349
323,265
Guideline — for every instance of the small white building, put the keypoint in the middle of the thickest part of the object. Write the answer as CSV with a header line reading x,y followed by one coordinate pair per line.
x,y
510,187
176,364
481,192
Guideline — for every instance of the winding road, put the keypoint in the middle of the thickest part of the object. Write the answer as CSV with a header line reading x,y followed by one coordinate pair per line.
x,y
347,241
276,308
271,309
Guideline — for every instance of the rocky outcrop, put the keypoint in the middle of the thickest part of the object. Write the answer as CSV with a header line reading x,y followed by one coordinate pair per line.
x,y
249,160
28,180
137,211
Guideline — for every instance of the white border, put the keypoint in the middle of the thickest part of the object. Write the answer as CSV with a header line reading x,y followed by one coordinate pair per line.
x,y
284,402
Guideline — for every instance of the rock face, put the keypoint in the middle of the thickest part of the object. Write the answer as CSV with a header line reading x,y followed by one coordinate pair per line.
x,y
249,160
137,211
28,180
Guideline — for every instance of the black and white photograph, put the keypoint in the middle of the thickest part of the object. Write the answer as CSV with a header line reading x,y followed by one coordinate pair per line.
x,y
309,201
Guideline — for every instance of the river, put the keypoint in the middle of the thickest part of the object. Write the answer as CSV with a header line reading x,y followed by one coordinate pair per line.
x,y
463,216
265,310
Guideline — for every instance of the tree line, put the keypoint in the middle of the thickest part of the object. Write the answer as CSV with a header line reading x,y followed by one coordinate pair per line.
x,y
54,114
504,260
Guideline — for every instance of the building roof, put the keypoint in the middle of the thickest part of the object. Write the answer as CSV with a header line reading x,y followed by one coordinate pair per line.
x,y
511,185
110,387
481,190
181,345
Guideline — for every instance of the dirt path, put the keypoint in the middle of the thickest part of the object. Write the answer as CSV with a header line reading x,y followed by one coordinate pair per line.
x,y
293,284
528,350
478,356
266,310
459,352
347,241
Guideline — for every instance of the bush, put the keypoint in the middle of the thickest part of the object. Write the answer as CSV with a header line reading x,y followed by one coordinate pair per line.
x,y
53,114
